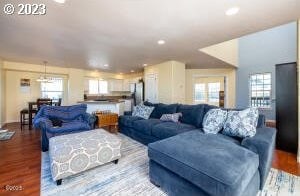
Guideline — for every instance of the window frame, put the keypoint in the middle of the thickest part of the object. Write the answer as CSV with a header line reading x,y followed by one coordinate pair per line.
x,y
205,93
50,91
250,90
99,92
210,92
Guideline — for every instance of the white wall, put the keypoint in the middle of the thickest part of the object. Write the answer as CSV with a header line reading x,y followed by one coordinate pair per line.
x,y
227,51
229,74
15,100
171,81
2,94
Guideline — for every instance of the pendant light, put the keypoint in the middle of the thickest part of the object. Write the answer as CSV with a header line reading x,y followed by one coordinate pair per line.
x,y
44,78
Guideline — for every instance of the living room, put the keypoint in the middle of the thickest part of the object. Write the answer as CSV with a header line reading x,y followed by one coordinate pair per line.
x,y
101,102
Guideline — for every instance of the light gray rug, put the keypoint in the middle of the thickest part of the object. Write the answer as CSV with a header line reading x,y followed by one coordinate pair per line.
x,y
7,135
130,177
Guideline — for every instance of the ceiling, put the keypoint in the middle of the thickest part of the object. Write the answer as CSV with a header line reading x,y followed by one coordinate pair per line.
x,y
124,33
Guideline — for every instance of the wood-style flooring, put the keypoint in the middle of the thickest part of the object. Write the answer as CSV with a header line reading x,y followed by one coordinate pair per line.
x,y
20,162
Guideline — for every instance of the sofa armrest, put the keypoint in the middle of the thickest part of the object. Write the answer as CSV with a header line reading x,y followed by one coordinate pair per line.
x,y
42,123
90,119
127,113
263,143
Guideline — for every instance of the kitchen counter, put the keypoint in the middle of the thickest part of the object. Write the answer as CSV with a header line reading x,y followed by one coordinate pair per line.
x,y
113,106
100,102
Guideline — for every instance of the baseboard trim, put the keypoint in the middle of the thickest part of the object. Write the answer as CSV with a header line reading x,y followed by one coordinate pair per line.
x,y
2,124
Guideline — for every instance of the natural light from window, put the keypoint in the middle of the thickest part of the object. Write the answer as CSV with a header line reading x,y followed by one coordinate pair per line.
x,y
213,92
260,90
98,87
53,89
200,92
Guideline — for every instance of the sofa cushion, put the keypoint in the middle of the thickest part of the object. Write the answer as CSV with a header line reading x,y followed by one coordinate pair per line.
x,y
64,113
212,163
169,129
127,121
161,109
145,126
192,114
69,127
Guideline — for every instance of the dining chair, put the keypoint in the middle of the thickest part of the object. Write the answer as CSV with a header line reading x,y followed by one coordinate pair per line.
x,y
43,101
59,102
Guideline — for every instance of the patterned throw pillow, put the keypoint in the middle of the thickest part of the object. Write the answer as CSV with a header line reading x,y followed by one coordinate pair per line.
x,y
214,120
142,111
171,117
241,123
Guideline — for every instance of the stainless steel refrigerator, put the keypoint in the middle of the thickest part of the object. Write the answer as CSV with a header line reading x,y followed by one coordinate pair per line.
x,y
137,91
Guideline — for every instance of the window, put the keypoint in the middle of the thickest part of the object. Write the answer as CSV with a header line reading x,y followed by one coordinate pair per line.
x,y
207,92
98,86
260,90
213,92
52,90
200,92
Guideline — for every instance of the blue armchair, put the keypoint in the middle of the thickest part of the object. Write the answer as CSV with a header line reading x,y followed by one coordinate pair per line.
x,y
74,119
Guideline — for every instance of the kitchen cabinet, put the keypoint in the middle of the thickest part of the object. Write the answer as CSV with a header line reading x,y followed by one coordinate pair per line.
x,y
128,103
115,85
126,85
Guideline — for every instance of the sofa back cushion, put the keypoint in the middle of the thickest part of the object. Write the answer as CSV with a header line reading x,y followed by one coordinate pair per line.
x,y
192,114
160,109
64,113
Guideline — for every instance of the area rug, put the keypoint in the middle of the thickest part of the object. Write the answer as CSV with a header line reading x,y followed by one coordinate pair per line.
x,y
7,135
130,177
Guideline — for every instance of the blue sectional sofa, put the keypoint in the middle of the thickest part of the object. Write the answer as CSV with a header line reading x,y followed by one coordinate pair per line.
x,y
186,161
74,119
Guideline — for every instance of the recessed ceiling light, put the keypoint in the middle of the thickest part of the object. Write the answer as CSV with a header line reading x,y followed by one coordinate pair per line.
x,y
105,65
145,65
60,1
132,71
232,11
161,42
121,73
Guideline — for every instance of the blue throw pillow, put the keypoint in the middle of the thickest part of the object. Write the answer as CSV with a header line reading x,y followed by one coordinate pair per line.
x,y
214,121
171,117
241,123
142,111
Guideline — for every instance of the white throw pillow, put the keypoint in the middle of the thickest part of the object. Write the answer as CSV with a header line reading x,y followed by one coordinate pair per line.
x,y
241,123
214,120
142,111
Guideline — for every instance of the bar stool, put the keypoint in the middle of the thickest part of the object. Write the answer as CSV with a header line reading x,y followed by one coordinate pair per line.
x,y
23,119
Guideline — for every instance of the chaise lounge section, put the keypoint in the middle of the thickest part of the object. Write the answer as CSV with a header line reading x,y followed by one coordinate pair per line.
x,y
186,161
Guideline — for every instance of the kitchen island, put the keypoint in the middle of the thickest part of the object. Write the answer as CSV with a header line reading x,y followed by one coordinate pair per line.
x,y
113,106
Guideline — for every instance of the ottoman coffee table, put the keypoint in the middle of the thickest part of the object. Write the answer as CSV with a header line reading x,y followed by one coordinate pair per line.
x,y
74,153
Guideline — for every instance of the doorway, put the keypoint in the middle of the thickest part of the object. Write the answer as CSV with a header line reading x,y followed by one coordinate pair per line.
x,y
208,89
151,88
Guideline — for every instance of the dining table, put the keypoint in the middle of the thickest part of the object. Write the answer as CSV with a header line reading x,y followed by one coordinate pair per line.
x,y
33,109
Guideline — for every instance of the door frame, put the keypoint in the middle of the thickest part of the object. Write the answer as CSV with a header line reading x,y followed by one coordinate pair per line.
x,y
154,75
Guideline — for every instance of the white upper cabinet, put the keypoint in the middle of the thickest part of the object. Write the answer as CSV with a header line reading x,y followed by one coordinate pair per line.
x,y
126,85
115,85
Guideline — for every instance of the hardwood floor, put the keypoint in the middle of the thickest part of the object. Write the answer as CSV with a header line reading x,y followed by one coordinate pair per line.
x,y
20,162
